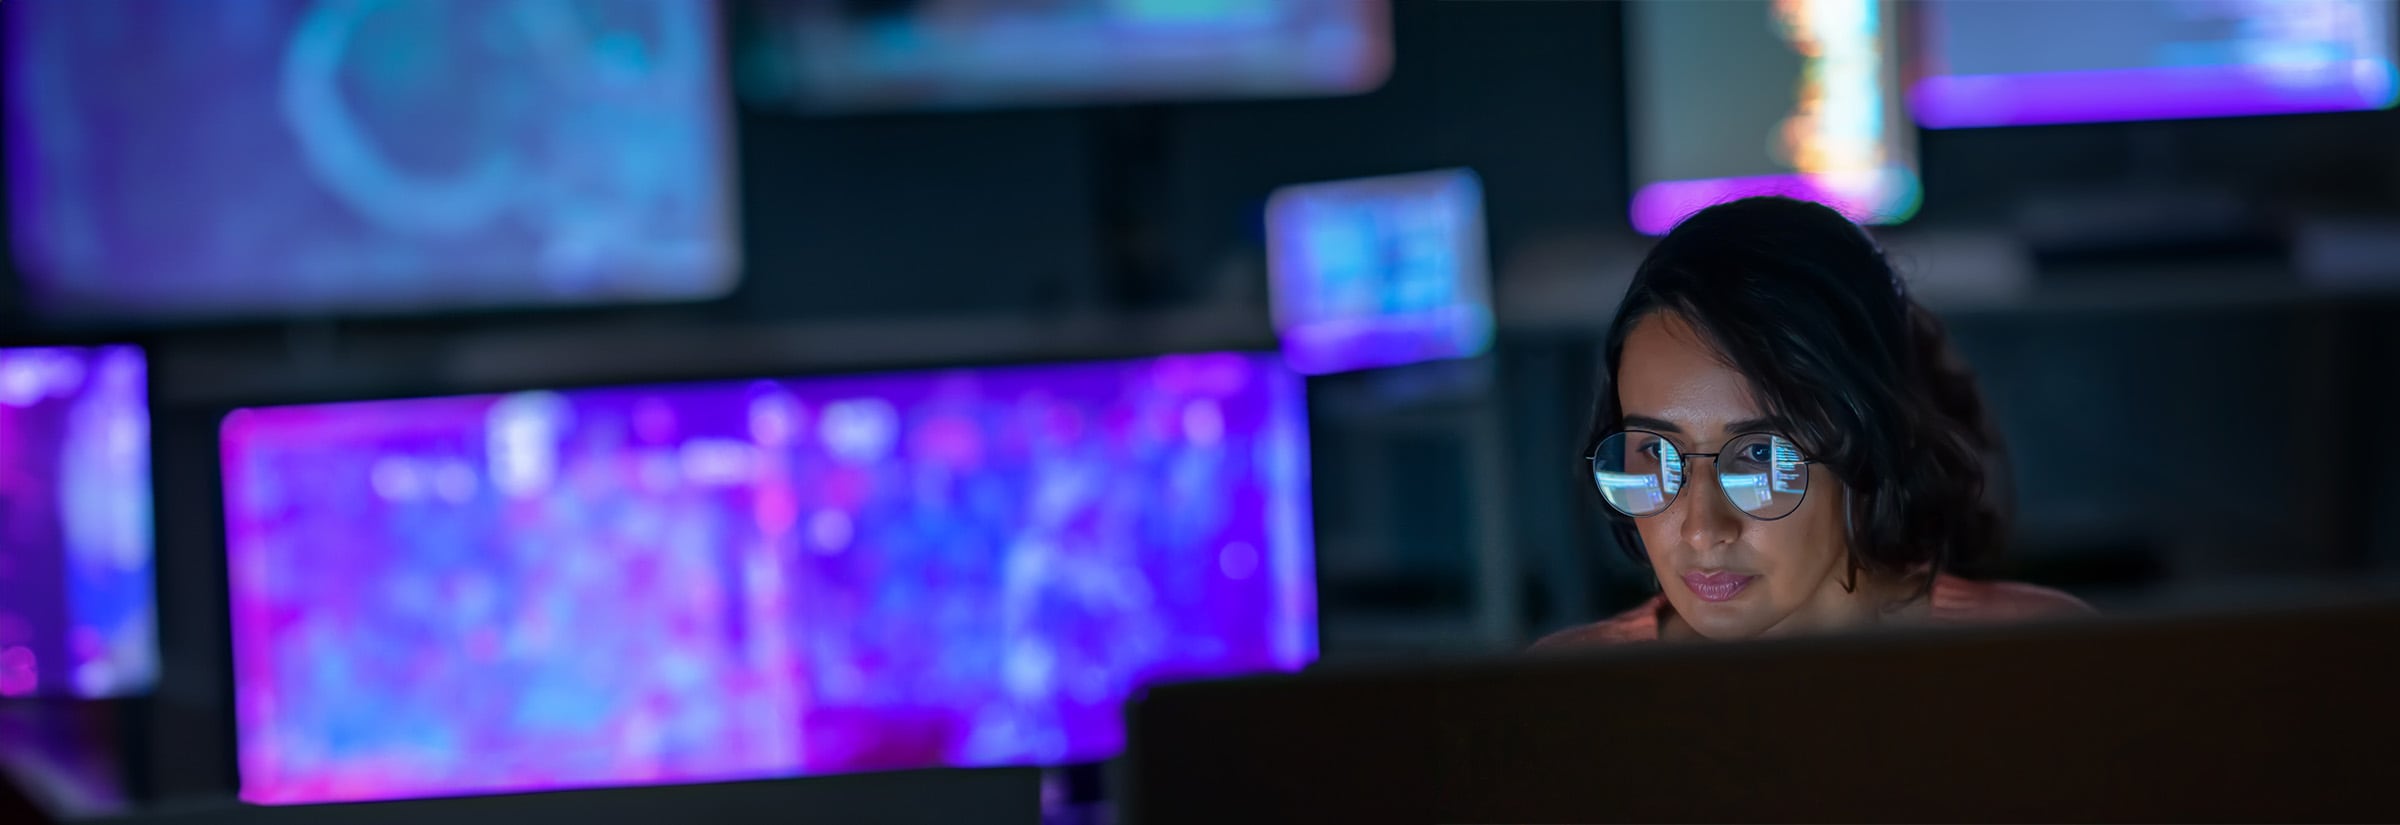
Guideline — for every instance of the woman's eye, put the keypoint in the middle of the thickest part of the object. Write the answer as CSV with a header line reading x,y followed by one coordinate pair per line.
x,y
1650,449
1758,452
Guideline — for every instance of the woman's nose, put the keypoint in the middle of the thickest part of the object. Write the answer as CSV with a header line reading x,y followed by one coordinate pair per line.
x,y
1708,519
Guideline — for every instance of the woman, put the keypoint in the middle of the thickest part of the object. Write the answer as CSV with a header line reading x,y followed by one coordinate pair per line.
x,y
1784,439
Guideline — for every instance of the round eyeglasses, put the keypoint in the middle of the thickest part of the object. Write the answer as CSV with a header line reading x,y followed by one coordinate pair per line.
x,y
1639,472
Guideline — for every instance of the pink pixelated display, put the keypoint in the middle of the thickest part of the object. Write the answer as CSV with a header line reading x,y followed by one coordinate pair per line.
x,y
749,579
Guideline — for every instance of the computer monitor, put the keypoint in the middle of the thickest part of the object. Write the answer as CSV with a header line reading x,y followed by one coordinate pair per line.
x,y
688,582
2005,63
251,159
1736,98
2238,716
77,615
853,55
1379,272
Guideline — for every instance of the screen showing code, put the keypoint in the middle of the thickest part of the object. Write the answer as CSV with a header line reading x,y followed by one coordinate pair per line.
x,y
1729,99
2003,63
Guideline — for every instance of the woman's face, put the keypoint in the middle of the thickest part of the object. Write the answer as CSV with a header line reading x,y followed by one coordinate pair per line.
x,y
1728,576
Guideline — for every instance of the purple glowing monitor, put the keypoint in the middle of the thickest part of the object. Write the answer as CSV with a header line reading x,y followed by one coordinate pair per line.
x,y
76,613
257,158
822,56
2009,63
1732,99
710,581
1379,272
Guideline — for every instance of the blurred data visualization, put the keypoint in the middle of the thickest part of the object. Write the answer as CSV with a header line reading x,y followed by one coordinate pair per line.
x,y
1380,272
264,158
77,616
972,566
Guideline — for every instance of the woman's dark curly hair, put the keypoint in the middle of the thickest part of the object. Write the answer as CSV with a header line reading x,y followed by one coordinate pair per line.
x,y
1802,302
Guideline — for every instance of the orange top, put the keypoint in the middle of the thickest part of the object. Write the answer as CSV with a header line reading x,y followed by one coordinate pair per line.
x,y
1955,601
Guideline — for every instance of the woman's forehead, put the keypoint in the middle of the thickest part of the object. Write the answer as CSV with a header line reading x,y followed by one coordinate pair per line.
x,y
1670,374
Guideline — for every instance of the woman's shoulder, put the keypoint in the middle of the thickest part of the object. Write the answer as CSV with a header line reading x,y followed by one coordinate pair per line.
x,y
1637,625
1965,600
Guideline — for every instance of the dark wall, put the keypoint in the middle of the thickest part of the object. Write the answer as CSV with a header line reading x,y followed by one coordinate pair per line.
x,y
934,213
914,215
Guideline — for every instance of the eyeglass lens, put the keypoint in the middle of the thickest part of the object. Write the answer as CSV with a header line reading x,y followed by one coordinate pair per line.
x,y
1639,473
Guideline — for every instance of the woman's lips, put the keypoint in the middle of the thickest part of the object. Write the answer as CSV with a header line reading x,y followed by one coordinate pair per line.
x,y
1716,587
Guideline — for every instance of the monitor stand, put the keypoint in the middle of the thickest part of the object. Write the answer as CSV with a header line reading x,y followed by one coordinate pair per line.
x,y
1078,794
1381,417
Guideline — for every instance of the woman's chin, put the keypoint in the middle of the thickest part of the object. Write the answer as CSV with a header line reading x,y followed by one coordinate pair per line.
x,y
1724,621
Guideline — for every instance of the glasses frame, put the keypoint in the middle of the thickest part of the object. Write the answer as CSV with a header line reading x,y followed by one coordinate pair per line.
x,y
1594,461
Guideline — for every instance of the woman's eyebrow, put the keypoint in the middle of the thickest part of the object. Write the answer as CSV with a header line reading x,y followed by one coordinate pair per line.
x,y
1761,424
1756,425
1644,422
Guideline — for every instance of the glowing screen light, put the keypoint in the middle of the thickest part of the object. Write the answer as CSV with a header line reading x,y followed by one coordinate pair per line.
x,y
1740,98
1748,490
77,616
1379,272
832,56
2007,63
691,582
237,158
